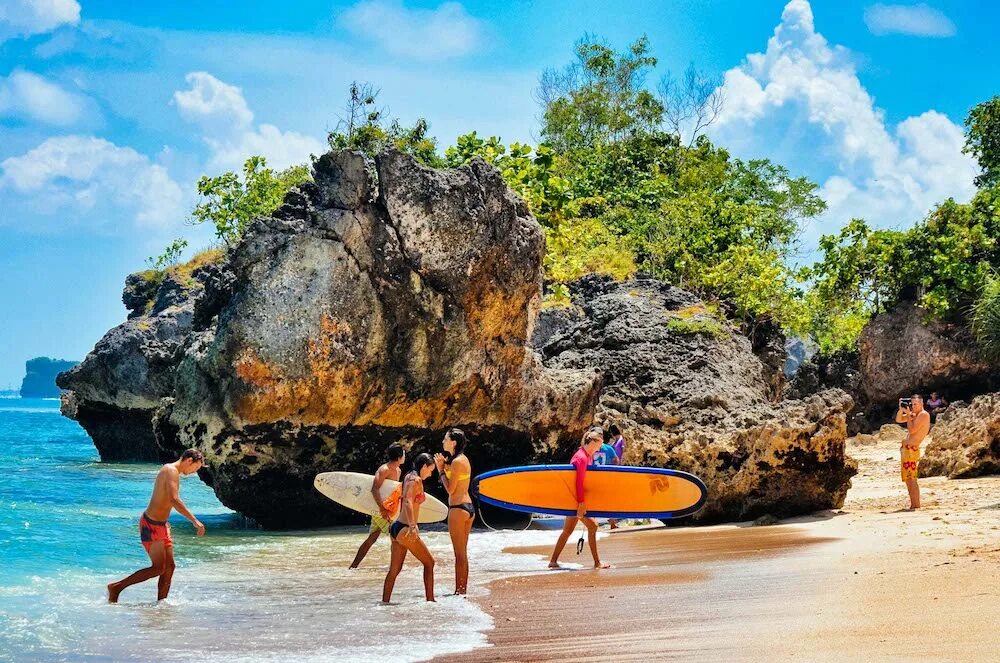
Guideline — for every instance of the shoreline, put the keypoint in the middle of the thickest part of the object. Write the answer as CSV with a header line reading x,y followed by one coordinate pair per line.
x,y
871,581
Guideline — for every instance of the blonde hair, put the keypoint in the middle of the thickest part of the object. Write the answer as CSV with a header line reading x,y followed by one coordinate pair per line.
x,y
591,435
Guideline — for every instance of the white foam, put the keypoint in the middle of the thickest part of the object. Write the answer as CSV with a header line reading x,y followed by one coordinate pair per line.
x,y
275,597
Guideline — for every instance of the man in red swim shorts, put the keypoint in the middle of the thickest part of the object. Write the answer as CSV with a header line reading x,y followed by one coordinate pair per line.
x,y
154,530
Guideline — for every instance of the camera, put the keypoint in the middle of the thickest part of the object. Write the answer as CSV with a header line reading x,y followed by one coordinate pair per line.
x,y
906,403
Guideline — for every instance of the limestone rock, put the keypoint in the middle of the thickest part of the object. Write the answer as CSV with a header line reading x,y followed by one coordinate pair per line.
x,y
966,440
901,352
352,322
697,399
119,384
386,302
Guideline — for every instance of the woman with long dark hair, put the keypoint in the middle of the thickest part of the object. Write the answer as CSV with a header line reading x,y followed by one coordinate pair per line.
x,y
405,533
456,474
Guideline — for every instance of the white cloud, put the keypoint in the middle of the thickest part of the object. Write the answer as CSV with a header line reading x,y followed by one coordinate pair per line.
x,y
801,102
447,31
86,179
919,20
23,18
215,106
226,121
27,95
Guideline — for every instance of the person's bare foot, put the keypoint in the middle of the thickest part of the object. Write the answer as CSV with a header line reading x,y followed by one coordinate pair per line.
x,y
113,593
556,565
600,565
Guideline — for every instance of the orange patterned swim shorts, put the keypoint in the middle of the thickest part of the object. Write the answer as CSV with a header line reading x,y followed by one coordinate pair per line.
x,y
909,460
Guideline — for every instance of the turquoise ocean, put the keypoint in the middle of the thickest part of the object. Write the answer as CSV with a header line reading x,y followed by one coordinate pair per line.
x,y
68,526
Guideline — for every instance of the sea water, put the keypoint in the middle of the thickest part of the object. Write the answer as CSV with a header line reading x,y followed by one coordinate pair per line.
x,y
68,526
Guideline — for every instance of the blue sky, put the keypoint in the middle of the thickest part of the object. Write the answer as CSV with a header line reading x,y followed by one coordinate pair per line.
x,y
110,111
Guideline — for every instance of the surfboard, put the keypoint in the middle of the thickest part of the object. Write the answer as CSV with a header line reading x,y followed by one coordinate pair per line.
x,y
612,491
354,490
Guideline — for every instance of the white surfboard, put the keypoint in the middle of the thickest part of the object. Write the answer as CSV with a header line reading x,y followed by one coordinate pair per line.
x,y
354,490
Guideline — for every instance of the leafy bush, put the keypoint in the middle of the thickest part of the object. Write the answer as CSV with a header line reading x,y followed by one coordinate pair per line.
x,y
232,203
170,255
986,319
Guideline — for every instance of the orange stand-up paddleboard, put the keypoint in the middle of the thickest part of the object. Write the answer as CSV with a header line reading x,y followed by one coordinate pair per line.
x,y
612,491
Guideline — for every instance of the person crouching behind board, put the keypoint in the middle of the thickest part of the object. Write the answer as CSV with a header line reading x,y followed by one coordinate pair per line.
x,y
591,442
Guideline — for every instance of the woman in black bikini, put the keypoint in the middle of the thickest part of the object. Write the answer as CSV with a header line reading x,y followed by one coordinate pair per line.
x,y
456,473
405,533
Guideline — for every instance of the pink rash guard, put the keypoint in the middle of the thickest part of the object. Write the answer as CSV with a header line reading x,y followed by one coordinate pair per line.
x,y
580,461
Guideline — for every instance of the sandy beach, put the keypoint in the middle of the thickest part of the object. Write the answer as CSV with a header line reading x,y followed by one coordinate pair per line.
x,y
871,581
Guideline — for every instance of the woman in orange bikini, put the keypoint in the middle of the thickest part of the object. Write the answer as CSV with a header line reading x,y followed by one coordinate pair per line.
x,y
405,533
456,473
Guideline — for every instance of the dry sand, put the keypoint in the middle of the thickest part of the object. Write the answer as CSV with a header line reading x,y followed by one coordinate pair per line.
x,y
868,582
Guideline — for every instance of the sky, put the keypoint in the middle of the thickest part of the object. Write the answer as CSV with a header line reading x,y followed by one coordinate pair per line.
x,y
111,111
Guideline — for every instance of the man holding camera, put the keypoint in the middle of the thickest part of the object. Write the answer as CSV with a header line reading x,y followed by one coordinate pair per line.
x,y
918,423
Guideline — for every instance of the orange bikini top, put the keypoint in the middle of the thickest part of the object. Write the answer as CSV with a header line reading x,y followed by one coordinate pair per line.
x,y
395,499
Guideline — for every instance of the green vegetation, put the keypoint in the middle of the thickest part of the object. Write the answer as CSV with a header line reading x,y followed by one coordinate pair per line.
x,y
231,203
365,127
699,326
170,255
624,181
617,190
986,319
982,140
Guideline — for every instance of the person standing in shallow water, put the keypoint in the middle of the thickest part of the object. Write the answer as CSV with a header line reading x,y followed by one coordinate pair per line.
x,y
918,424
380,522
405,533
456,474
591,442
154,530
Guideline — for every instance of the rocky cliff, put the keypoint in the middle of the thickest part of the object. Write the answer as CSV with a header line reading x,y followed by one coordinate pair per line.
x,y
40,377
690,393
387,302
965,440
119,385
903,351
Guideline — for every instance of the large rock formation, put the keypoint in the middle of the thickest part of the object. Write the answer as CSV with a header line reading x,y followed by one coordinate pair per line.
x,y
359,317
40,377
902,352
689,393
387,302
119,385
966,440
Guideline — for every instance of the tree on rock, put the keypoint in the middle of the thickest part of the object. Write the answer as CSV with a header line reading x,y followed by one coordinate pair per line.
x,y
231,203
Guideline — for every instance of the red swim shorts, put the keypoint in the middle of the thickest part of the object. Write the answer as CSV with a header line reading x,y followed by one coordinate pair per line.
x,y
154,530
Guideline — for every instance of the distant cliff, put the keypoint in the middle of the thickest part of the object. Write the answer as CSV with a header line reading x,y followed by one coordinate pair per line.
x,y
40,377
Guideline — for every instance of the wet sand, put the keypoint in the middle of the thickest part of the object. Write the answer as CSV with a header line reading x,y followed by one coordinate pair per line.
x,y
868,582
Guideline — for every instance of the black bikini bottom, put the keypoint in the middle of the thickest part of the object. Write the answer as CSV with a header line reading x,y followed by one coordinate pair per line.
x,y
465,506
396,527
